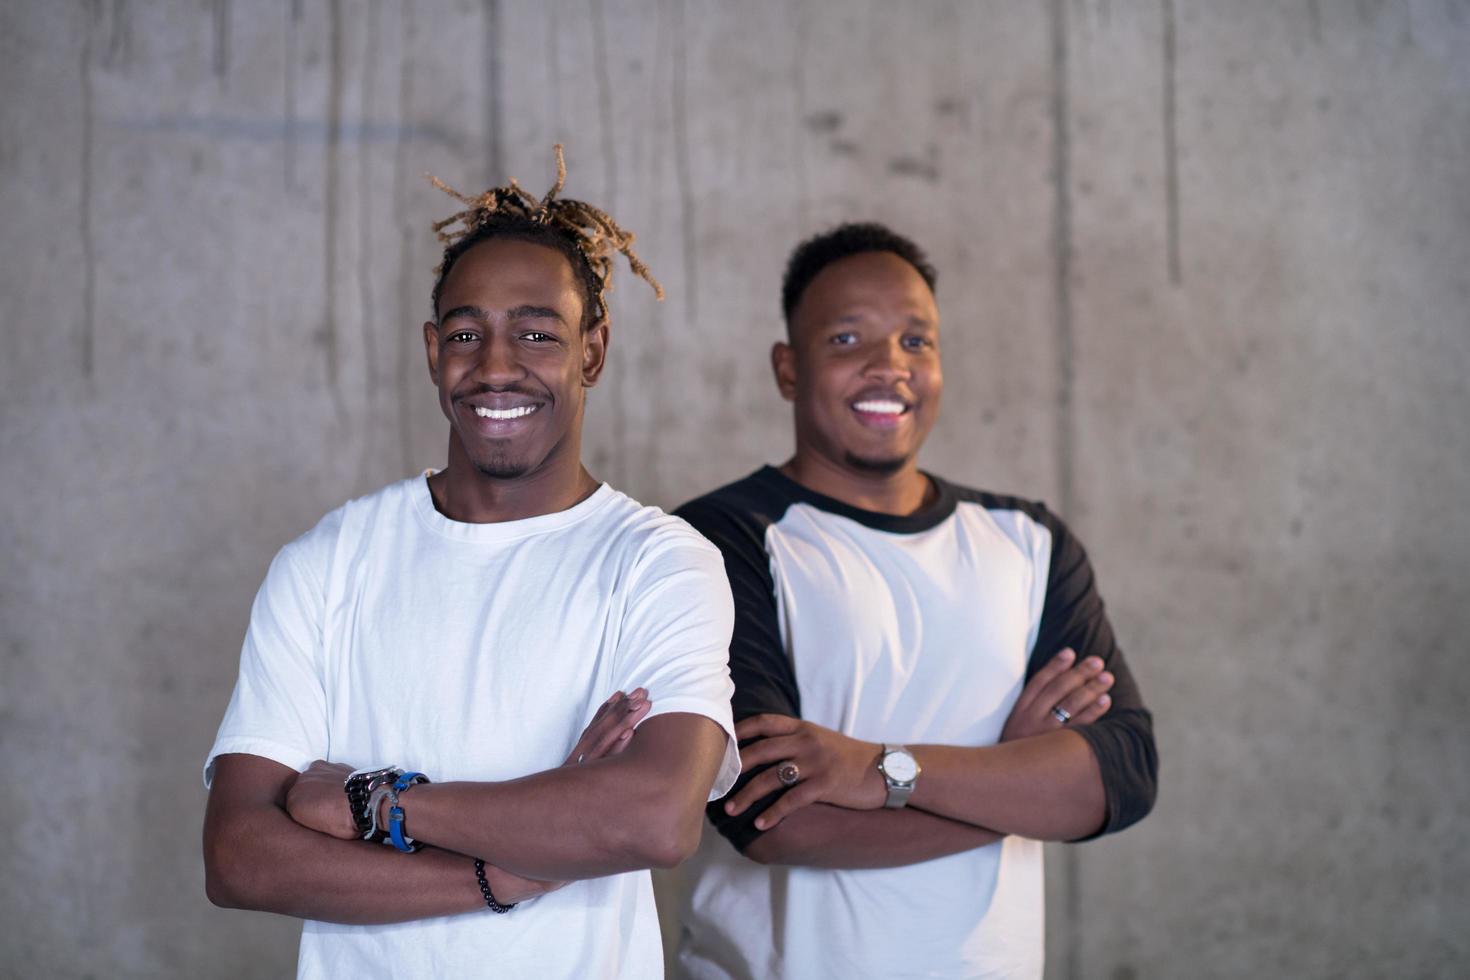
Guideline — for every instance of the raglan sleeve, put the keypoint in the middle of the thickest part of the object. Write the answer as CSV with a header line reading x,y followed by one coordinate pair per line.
x,y
1123,739
765,682
278,709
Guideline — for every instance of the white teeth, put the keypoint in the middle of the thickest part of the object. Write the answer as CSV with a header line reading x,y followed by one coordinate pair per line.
x,y
880,407
505,413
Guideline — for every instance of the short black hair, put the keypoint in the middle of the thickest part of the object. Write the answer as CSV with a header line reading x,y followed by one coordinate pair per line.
x,y
526,230
820,251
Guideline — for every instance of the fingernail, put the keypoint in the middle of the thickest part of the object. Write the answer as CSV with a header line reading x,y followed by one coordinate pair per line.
x,y
1104,699
730,808
1105,677
1067,656
1094,662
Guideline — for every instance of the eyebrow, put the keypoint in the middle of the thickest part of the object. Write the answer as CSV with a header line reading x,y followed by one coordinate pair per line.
x,y
523,312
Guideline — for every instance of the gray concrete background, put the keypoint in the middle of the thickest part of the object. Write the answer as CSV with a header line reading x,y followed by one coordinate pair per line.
x,y
1205,269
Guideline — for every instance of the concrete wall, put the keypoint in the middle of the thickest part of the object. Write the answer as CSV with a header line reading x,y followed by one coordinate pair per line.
x,y
1205,269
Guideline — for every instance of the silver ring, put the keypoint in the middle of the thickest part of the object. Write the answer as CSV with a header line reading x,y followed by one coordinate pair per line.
x,y
789,774
1061,714
581,757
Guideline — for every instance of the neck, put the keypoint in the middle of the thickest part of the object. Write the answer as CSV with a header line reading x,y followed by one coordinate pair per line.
x,y
462,493
899,493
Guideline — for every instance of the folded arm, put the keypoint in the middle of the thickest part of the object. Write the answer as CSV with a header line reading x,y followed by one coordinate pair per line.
x,y
275,841
640,809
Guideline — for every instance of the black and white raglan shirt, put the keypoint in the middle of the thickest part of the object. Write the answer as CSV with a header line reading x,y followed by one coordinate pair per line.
x,y
911,630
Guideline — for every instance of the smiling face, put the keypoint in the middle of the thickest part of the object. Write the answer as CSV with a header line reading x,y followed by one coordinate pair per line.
x,y
511,360
863,365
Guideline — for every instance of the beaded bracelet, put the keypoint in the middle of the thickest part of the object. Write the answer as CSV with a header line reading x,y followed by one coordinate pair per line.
x,y
490,901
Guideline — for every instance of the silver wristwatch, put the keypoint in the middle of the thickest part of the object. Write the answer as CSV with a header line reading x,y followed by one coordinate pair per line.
x,y
900,770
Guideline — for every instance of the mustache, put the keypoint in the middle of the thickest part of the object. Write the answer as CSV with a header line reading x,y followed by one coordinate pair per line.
x,y
480,388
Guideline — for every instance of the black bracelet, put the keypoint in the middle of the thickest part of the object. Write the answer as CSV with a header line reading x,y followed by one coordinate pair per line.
x,y
490,901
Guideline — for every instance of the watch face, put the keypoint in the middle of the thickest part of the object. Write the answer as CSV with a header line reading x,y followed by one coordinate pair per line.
x,y
900,767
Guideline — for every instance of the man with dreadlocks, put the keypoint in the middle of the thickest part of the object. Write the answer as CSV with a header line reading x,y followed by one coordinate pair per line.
x,y
463,625
927,686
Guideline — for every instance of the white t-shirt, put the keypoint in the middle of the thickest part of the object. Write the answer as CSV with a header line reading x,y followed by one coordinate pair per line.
x,y
391,635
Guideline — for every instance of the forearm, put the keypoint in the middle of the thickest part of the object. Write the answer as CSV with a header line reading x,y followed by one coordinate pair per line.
x,y
263,860
1048,787
824,836
637,810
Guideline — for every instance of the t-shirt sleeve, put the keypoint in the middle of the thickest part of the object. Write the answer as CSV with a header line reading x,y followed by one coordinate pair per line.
x,y
279,708
765,682
1123,739
675,639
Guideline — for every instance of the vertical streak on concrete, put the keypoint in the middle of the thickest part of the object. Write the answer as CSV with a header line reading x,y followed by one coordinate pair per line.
x,y
406,318
89,249
604,104
120,37
618,391
1171,146
1314,17
553,61
798,85
329,200
293,28
681,165
221,40
493,94
368,324
1061,241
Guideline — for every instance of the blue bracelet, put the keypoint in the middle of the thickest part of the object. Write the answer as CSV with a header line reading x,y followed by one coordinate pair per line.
x,y
395,813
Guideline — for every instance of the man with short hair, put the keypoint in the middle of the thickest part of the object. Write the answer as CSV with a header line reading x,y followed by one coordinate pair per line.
x,y
927,686
464,625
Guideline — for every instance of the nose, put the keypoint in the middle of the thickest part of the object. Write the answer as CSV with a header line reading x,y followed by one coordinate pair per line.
x,y
499,362
888,361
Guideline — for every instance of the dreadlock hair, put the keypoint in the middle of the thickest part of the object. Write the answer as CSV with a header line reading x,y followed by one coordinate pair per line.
x,y
820,251
586,235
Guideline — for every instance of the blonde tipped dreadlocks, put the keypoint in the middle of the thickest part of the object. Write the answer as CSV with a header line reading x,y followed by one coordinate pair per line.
x,y
592,231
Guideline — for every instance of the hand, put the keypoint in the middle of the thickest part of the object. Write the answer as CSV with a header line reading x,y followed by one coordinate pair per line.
x,y
1081,691
610,730
316,800
833,768
609,733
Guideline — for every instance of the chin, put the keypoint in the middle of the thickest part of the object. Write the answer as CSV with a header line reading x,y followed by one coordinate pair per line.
x,y
879,466
501,467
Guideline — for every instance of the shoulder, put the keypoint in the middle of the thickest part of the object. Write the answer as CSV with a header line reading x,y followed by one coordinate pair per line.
x,y
741,510
1029,523
641,534
311,554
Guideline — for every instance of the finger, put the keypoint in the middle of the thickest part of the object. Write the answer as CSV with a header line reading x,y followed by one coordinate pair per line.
x,y
619,744
1063,686
621,721
761,786
1086,695
766,750
1092,712
1054,668
589,736
604,706
800,795
602,734
764,726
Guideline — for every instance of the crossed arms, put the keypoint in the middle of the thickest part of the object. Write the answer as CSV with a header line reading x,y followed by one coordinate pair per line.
x,y
1041,782
278,842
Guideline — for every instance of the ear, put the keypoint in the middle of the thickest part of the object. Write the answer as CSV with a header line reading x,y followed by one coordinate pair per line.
x,y
783,365
594,351
431,349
